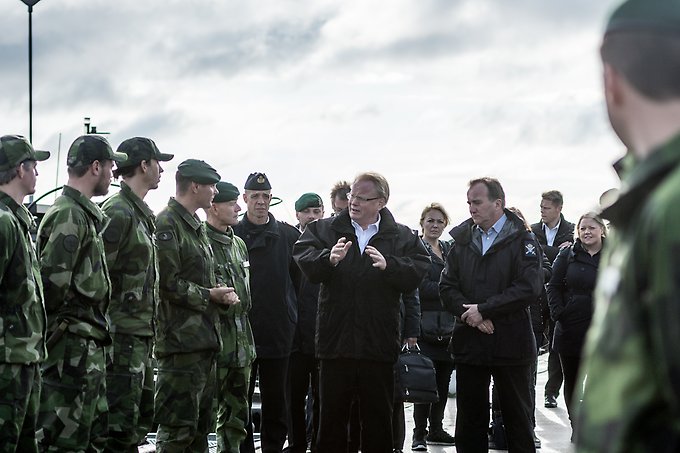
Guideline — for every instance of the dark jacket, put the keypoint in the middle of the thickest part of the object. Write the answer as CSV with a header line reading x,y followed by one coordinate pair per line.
x,y
504,281
308,303
570,297
358,314
564,233
274,283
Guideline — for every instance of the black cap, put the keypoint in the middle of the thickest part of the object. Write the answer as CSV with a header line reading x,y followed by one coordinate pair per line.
x,y
257,181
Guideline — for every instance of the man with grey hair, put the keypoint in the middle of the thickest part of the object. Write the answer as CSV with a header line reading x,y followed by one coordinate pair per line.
x,y
364,260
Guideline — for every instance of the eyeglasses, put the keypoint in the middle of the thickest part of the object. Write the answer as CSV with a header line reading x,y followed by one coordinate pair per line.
x,y
351,196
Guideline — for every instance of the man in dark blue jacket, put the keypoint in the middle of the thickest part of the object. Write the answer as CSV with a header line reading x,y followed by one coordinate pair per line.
x,y
364,261
493,272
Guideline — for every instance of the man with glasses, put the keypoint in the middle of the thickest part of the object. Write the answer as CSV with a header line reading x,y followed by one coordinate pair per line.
x,y
274,281
364,261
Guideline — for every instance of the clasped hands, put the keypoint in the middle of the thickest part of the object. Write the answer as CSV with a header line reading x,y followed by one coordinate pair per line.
x,y
224,295
473,318
339,252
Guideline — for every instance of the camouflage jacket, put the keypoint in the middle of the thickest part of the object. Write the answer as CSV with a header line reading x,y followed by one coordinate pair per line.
x,y
631,399
73,266
133,265
186,319
22,314
232,269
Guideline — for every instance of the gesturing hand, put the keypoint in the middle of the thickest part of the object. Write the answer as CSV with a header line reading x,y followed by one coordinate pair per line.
x,y
376,256
339,251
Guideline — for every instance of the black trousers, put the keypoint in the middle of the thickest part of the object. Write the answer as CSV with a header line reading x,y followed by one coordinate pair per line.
x,y
570,367
302,372
434,412
554,383
272,374
373,383
514,393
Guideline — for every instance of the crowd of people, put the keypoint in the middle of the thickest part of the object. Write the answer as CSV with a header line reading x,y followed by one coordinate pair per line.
x,y
316,314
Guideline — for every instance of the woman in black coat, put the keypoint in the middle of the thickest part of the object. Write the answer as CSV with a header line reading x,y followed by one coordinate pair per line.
x,y
570,297
435,332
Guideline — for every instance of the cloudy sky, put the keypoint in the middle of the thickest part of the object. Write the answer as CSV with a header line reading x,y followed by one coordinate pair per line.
x,y
431,93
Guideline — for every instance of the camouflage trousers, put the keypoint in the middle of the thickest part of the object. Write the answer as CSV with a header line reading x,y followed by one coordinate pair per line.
x,y
19,402
129,391
73,410
184,402
232,406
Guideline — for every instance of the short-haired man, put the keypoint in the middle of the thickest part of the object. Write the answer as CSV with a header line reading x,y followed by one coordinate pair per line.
x,y
238,346
364,261
133,267
339,193
632,356
22,315
187,322
73,409
493,272
274,281
553,233
302,369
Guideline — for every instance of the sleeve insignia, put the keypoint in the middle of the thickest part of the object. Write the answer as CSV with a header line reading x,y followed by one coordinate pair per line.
x,y
530,249
165,236
70,243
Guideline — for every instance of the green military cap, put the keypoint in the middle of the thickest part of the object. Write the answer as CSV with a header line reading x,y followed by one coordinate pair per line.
x,y
257,181
139,149
660,16
88,148
14,149
308,200
227,192
198,171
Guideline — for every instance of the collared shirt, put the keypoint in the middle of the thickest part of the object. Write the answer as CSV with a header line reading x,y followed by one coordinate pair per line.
x,y
489,236
363,236
551,233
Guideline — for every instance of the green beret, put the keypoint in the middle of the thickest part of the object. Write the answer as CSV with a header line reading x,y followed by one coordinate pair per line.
x,y
14,149
646,15
198,171
139,149
87,148
227,192
257,181
308,200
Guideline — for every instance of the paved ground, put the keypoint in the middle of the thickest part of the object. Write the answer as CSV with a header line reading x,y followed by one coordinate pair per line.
x,y
552,425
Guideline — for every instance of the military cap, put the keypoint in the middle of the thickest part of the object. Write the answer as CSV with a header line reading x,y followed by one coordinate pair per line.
x,y
139,149
198,171
88,148
659,16
14,149
308,200
227,192
257,181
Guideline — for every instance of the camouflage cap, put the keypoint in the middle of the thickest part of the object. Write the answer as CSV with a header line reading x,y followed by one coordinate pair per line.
x,y
227,192
308,200
14,149
257,181
198,171
659,16
139,149
88,148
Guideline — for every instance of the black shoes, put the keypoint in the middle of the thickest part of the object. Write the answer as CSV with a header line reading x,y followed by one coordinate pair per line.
x,y
419,443
440,437
550,401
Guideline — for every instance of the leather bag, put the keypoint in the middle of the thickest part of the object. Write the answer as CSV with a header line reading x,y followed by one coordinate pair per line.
x,y
416,377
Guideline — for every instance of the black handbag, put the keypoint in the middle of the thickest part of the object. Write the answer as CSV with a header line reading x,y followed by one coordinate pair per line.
x,y
416,377
436,326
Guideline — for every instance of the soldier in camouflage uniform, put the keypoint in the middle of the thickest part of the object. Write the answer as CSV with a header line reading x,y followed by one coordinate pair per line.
x,y
133,267
73,409
631,400
187,322
22,314
238,346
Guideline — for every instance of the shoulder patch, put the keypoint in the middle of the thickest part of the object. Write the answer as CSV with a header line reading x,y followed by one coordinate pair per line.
x,y
112,234
70,243
530,249
165,236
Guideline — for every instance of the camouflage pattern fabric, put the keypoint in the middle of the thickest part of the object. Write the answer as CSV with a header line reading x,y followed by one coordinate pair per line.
x,y
73,407
631,399
184,402
19,402
238,346
73,266
22,315
130,392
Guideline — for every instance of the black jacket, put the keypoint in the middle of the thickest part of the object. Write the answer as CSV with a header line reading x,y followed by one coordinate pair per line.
x,y
274,283
504,282
358,315
570,297
564,233
308,303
